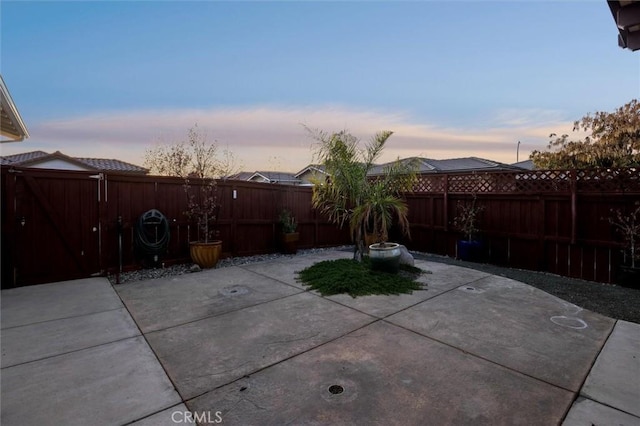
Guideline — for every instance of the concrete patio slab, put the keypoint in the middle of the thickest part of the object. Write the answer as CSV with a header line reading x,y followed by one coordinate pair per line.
x,y
109,384
614,379
28,305
381,306
286,270
177,415
44,339
587,412
203,355
167,302
514,325
247,343
445,279
386,375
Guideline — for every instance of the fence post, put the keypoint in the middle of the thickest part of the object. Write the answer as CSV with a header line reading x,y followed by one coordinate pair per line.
x,y
574,212
446,203
542,231
9,224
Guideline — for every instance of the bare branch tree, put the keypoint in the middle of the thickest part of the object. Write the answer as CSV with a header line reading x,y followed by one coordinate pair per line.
x,y
197,156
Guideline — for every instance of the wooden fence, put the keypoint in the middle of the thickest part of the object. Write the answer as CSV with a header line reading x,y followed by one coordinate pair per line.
x,y
554,221
59,225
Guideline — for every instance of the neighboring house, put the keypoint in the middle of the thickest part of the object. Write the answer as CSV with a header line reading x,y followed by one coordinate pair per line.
x,y
526,165
310,173
12,128
425,166
241,176
59,161
453,165
282,178
303,177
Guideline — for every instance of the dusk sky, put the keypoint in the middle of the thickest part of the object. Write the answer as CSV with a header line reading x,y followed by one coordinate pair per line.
x,y
451,79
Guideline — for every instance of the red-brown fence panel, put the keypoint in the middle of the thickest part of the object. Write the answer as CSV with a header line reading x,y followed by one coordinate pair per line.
x,y
59,225
62,225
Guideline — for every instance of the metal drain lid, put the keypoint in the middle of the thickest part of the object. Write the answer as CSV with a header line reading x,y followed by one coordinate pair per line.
x,y
235,290
336,389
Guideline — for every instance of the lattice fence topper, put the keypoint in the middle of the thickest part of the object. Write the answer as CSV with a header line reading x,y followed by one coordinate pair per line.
x,y
592,180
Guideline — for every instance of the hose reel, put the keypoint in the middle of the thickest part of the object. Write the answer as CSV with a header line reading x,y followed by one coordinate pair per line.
x,y
152,235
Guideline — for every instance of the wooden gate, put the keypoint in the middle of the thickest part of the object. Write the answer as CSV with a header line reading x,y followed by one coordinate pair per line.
x,y
51,226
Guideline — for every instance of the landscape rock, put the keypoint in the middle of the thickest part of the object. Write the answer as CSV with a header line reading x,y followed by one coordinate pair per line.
x,y
405,257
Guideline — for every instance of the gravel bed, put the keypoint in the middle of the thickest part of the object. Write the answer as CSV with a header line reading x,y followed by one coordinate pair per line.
x,y
607,299
187,268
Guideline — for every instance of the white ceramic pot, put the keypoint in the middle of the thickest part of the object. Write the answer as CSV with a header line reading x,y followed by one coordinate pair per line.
x,y
385,257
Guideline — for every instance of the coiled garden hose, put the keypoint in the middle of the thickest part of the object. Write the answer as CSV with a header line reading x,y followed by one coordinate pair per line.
x,y
152,234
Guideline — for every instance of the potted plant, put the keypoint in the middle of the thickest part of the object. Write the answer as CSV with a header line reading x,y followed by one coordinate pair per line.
x,y
628,225
289,237
466,221
203,208
378,208
359,193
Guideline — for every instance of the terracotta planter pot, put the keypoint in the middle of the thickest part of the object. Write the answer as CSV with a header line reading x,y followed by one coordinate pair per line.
x,y
385,257
205,255
290,242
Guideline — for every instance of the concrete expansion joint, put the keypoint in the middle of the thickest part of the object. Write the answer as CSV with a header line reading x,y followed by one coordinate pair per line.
x,y
244,268
220,314
62,318
61,354
622,410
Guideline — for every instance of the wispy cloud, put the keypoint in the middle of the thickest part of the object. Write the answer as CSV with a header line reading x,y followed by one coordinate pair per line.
x,y
526,117
271,136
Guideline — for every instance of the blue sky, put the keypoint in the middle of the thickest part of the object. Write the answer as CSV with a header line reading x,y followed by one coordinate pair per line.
x,y
451,79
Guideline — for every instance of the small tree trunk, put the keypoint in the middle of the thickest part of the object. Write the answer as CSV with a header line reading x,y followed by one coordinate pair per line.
x,y
359,244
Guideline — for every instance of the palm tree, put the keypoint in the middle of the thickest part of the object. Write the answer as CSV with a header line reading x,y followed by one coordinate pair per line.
x,y
350,195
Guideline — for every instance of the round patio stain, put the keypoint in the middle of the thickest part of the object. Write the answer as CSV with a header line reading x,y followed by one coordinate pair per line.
x,y
570,322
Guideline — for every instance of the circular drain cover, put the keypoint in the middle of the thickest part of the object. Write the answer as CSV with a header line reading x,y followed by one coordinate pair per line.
x,y
235,290
336,389
340,391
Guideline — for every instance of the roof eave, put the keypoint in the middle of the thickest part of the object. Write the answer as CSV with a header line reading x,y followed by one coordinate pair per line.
x,y
9,107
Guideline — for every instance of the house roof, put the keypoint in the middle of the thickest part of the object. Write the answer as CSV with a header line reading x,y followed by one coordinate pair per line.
x,y
526,164
275,177
11,125
17,159
112,165
32,158
452,165
312,168
626,14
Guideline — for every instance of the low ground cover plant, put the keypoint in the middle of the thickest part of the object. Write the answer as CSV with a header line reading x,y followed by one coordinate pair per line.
x,y
357,279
